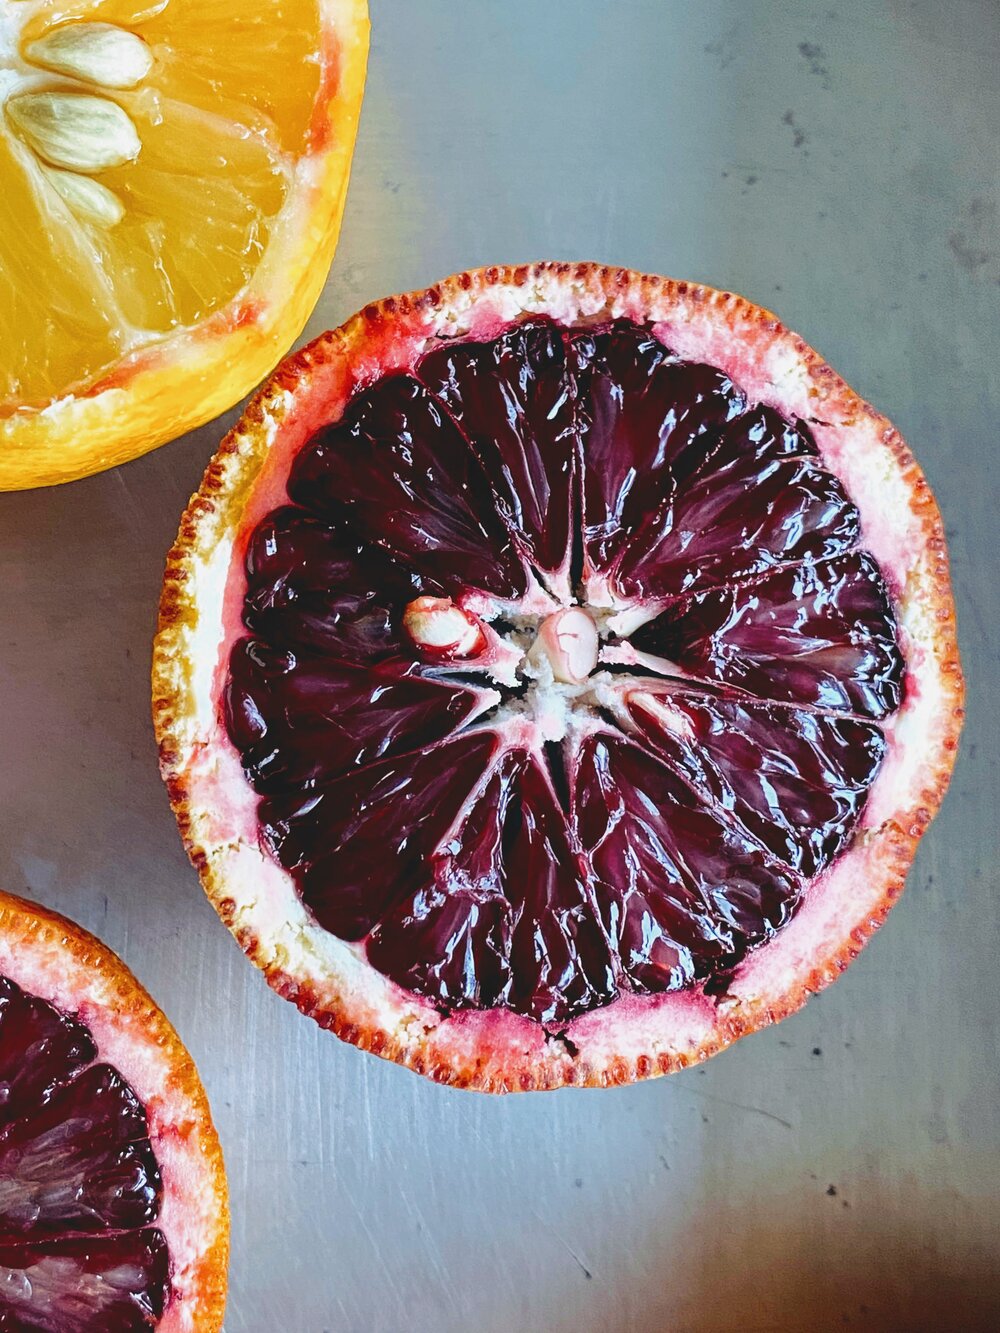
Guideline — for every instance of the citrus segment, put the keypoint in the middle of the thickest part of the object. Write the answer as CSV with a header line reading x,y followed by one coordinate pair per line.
x,y
686,895
42,319
641,408
619,697
794,779
328,717
89,1285
400,474
821,634
513,399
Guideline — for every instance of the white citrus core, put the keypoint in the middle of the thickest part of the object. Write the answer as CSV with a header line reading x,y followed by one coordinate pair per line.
x,y
550,658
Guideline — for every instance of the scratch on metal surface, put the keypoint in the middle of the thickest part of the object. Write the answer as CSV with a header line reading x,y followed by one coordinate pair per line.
x,y
564,1243
583,1267
740,1106
432,1249
137,523
371,1143
376,1242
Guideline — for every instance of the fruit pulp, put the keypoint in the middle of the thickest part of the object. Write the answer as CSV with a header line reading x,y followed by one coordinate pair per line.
x,y
144,164
80,1188
489,832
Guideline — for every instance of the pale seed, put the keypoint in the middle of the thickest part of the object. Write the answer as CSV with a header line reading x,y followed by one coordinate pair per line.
x,y
88,199
75,130
437,625
99,53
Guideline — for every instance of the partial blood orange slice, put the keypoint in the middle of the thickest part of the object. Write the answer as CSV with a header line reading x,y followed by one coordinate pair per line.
x,y
113,1209
172,179
555,673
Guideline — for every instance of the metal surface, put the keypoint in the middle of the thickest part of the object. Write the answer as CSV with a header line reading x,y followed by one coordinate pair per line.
x,y
836,160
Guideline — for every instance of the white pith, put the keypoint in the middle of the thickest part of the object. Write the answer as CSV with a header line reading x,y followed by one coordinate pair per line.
x,y
260,899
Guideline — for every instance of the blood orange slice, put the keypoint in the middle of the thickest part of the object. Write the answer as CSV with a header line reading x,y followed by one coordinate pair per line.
x,y
555,673
113,1210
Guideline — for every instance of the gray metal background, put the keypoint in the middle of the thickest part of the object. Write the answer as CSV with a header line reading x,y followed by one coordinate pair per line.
x,y
836,160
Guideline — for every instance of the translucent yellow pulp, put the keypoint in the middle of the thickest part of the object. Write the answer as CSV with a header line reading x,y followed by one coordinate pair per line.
x,y
146,153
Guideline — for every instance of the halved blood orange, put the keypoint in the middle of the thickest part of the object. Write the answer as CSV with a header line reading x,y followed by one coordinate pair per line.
x,y
555,673
172,179
113,1206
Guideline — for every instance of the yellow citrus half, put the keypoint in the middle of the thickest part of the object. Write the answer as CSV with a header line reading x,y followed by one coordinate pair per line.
x,y
172,179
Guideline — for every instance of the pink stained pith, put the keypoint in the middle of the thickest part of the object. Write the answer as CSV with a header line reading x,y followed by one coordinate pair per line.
x,y
458,821
80,1188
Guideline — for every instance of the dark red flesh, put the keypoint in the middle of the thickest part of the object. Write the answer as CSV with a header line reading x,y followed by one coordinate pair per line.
x,y
651,850
823,635
80,1189
398,473
514,400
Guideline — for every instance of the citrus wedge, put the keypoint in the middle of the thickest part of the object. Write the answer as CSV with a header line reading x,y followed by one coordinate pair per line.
x,y
172,179
114,1212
